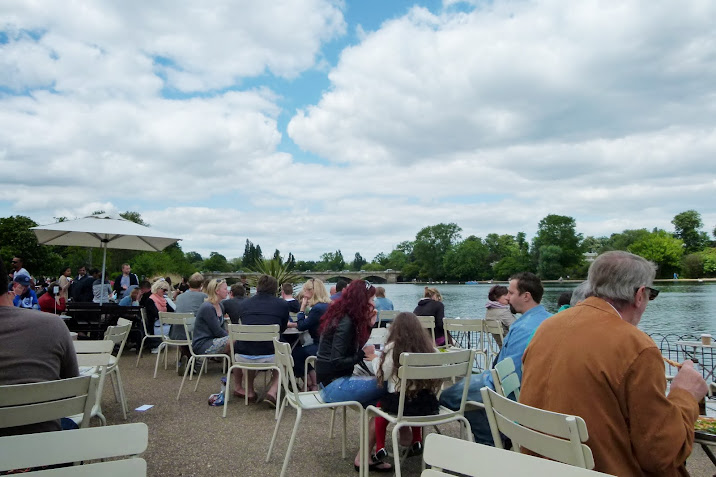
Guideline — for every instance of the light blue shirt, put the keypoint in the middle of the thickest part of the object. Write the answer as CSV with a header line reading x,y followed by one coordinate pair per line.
x,y
518,338
383,304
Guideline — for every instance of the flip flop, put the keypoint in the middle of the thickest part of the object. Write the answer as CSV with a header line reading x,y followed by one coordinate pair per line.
x,y
271,400
243,396
373,466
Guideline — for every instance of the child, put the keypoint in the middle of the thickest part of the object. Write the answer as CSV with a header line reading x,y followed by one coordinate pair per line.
x,y
406,335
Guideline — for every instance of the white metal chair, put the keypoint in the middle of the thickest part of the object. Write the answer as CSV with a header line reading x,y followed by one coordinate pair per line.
x,y
97,355
555,436
169,319
386,316
187,321
433,366
455,326
118,335
24,404
504,375
254,333
493,328
305,401
456,456
428,323
51,448
147,334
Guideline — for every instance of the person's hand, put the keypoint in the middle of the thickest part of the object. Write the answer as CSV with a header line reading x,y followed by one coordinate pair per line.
x,y
292,324
304,303
369,349
690,380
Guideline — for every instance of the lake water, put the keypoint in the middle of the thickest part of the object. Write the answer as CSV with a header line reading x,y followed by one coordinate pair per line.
x,y
685,308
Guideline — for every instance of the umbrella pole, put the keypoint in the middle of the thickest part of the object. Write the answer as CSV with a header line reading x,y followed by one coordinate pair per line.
x,y
104,264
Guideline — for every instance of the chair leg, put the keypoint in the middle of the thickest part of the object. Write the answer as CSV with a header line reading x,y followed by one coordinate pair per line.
x,y
275,429
139,353
396,451
343,438
166,356
122,397
290,443
333,418
246,387
190,364
112,379
278,392
204,364
227,391
159,355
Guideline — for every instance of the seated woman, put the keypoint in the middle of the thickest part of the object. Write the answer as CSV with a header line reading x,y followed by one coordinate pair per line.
x,y
315,298
51,303
498,309
210,337
159,302
432,305
345,328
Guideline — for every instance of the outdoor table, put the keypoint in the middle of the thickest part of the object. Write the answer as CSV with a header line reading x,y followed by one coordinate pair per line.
x,y
708,372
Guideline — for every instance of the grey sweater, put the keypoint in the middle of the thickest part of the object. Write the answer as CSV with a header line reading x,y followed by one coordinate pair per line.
x,y
207,327
187,302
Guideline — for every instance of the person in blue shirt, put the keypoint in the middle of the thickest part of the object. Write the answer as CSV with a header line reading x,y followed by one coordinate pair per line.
x,y
524,295
381,302
25,296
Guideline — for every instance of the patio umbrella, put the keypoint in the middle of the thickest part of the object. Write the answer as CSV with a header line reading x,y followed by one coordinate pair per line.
x,y
103,231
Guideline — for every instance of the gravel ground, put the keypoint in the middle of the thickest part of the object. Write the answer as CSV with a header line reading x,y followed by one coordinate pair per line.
x,y
190,438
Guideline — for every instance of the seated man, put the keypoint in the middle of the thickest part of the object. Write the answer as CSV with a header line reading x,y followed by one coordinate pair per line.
x,y
231,305
25,296
592,361
287,294
264,308
34,347
524,295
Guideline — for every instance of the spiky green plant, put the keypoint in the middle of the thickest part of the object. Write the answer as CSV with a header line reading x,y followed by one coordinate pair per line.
x,y
282,272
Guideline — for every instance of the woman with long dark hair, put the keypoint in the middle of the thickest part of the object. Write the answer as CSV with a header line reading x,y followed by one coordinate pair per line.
x,y
345,329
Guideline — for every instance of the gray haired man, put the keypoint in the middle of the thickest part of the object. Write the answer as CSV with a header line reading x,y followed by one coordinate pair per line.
x,y
592,361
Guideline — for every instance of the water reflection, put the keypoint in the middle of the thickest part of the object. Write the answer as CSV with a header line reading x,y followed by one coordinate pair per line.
x,y
688,308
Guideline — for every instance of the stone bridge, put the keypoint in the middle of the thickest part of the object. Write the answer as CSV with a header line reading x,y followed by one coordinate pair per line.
x,y
387,276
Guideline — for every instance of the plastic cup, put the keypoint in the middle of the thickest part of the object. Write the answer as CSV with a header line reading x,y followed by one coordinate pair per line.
x,y
706,339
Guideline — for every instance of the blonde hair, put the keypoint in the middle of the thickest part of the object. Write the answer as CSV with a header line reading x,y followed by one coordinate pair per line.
x,y
211,288
320,295
433,293
160,284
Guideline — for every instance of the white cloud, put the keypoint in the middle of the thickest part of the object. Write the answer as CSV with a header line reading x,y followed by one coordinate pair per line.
x,y
491,119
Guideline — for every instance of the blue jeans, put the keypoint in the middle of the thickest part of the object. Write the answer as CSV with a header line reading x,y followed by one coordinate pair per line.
x,y
363,389
451,398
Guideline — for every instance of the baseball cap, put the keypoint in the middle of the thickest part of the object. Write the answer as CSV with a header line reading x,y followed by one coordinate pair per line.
x,y
22,279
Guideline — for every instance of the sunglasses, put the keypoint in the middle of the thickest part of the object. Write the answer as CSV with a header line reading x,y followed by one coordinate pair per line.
x,y
368,285
13,261
653,292
219,280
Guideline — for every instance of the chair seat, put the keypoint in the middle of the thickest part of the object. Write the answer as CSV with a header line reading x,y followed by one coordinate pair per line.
x,y
443,413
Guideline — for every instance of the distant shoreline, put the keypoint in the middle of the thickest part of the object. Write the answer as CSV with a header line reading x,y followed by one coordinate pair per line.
x,y
485,282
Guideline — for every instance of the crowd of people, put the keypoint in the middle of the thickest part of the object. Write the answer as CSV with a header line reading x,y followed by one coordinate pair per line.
x,y
589,359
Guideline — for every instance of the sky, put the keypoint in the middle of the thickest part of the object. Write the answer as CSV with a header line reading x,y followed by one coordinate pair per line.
x,y
315,125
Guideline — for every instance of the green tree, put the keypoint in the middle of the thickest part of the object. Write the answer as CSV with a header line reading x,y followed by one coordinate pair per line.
x,y
252,254
709,257
381,259
291,261
549,266
280,271
430,246
686,227
661,248
358,262
216,263
16,239
595,244
277,256
468,260
135,217
500,246
306,265
560,231
624,239
333,261
692,266
171,260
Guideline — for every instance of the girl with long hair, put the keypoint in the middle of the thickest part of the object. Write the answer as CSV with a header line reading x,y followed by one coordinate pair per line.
x,y
345,329
406,335
314,304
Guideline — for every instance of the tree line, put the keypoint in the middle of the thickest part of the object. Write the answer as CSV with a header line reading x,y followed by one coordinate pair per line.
x,y
438,252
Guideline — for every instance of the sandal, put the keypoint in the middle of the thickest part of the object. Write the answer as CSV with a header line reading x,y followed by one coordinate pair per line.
x,y
374,465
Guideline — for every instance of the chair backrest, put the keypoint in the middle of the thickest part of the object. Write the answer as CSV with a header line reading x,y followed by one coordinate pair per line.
x,y
123,321
118,335
556,436
143,313
454,326
439,366
494,328
428,322
95,354
175,319
23,404
284,361
476,460
387,315
293,316
251,333
505,378
21,451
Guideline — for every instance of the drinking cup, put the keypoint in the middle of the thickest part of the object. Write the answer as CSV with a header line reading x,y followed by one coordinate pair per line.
x,y
706,339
